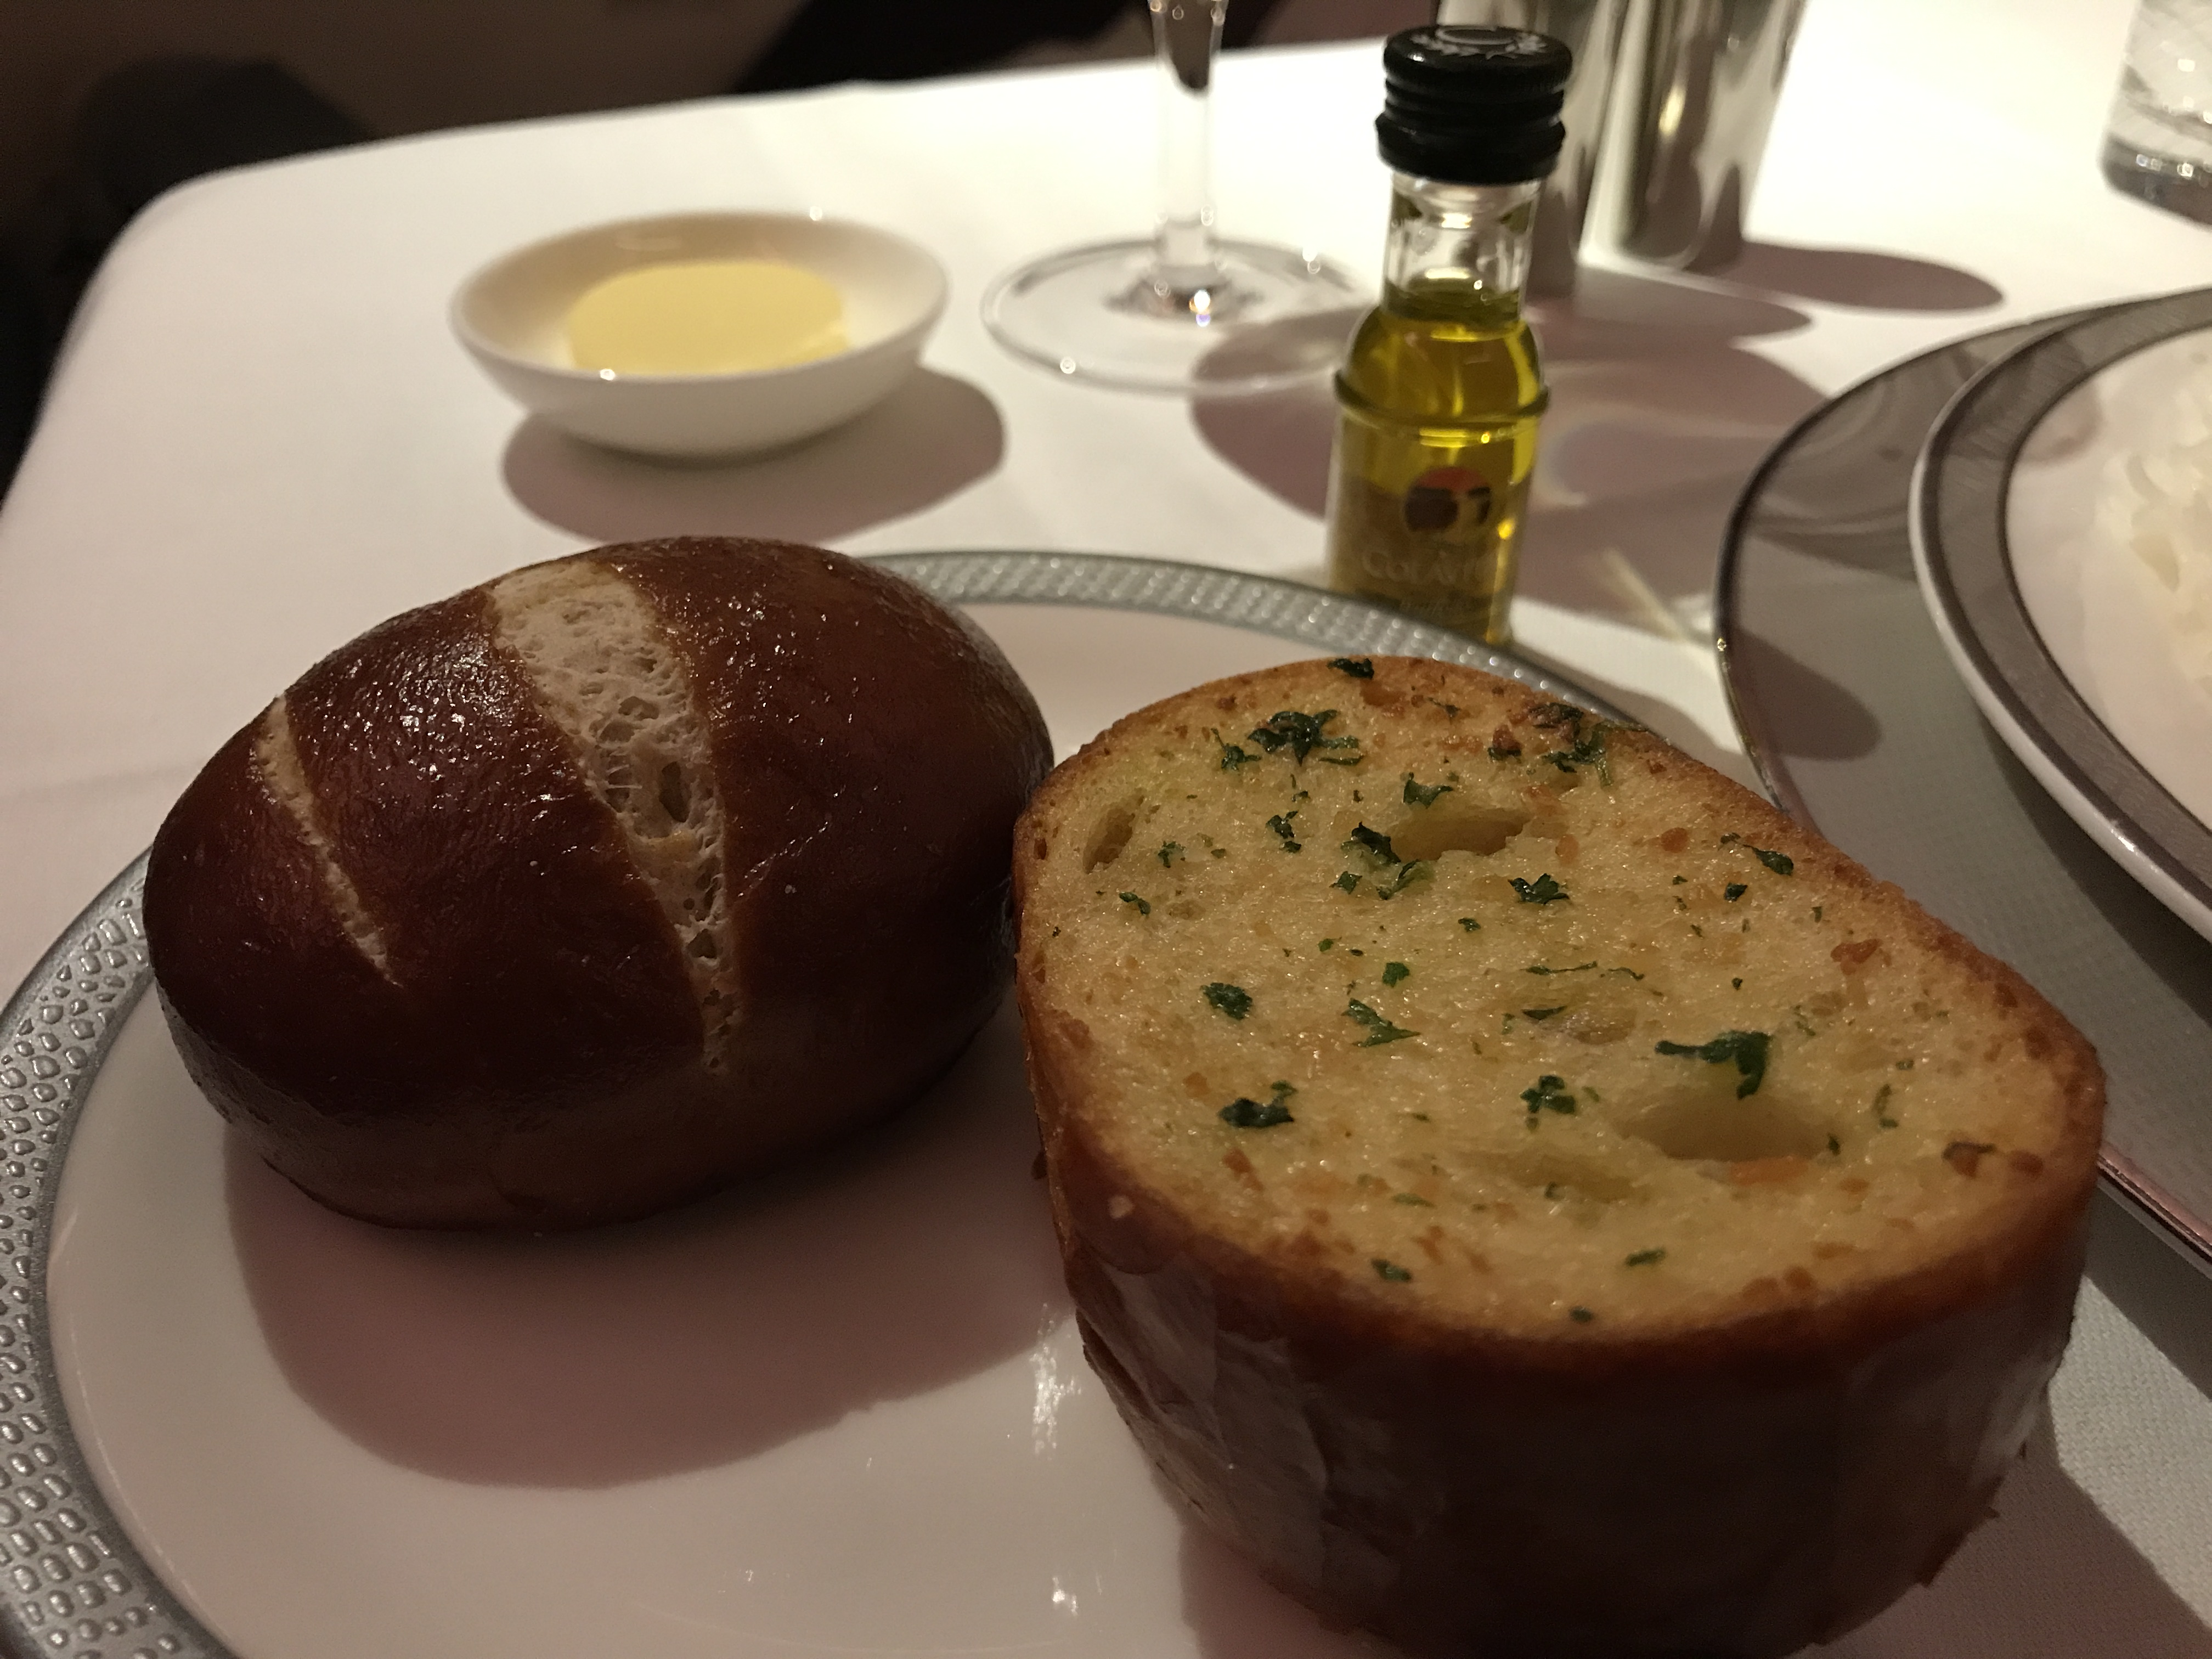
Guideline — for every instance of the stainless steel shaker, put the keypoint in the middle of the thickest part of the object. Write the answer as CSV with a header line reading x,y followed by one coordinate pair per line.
x,y
1702,78
1590,29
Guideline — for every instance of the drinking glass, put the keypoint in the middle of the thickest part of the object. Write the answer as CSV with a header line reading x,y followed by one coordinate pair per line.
x,y
2159,144
1705,79
1186,311
1590,29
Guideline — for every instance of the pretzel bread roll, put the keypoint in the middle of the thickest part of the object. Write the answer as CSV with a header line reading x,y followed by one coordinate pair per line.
x,y
1530,1197
588,890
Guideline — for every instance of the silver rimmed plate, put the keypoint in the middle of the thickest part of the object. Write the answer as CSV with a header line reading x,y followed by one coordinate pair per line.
x,y
1851,707
841,1412
2040,604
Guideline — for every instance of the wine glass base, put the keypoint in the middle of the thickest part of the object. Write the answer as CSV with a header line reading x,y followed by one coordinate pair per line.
x,y
1105,314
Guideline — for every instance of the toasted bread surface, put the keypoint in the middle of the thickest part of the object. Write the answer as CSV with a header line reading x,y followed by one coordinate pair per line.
x,y
1538,1014
1478,1132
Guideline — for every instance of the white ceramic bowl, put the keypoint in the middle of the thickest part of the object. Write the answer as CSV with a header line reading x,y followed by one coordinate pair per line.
x,y
512,316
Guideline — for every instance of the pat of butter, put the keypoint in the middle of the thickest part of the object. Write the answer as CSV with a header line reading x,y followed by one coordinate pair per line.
x,y
706,317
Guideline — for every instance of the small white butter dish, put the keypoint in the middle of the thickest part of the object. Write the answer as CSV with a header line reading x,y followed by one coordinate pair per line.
x,y
512,316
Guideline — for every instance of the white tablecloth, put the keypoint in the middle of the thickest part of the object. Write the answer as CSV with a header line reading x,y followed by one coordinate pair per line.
x,y
263,438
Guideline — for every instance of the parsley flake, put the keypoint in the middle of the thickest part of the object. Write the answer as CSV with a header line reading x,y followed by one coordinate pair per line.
x,y
1375,845
1550,1094
1423,795
1781,863
1347,881
1360,668
1143,909
1645,1258
1391,1271
1243,1114
1470,924
1542,1013
1233,1000
1299,732
1746,1049
1395,971
1734,890
1412,870
1328,945
1580,1316
1539,967
1169,852
1543,891
1281,824
1586,751
1379,1030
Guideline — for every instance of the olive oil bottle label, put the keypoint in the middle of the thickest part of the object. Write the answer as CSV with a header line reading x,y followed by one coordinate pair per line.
x,y
1429,518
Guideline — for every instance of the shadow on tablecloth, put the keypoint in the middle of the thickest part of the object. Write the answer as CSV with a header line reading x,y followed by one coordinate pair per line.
x,y
932,437
1660,413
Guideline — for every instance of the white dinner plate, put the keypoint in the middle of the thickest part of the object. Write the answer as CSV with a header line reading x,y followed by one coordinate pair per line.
x,y
843,1412
2047,614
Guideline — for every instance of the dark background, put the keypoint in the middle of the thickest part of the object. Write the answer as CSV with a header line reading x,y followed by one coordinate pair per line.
x,y
104,107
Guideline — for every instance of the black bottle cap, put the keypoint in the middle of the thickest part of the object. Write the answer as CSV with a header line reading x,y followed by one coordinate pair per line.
x,y
1472,106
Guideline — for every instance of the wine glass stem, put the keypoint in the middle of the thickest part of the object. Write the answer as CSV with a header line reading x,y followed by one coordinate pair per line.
x,y
1186,37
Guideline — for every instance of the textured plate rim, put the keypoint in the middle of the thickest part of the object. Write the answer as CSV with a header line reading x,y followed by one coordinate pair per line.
x,y
1751,725
1962,554
72,1583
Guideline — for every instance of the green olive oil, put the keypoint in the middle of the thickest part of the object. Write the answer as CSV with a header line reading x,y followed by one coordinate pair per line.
x,y
1438,400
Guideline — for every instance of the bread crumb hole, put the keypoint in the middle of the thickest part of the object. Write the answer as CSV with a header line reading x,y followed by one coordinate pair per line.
x,y
1110,834
1450,828
675,793
1707,1124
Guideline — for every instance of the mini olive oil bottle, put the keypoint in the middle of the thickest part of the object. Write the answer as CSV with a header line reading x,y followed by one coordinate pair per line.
x,y
1441,388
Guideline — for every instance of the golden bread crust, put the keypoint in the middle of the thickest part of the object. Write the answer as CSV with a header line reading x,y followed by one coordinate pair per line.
x,y
1606,1464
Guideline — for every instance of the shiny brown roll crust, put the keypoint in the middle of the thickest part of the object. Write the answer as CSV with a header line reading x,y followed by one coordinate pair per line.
x,y
409,946
1599,1452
